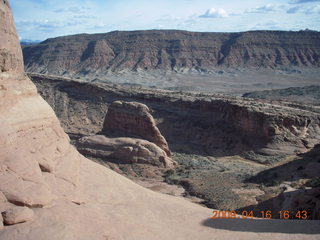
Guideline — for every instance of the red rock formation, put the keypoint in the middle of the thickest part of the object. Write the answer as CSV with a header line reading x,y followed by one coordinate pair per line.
x,y
125,150
134,118
10,54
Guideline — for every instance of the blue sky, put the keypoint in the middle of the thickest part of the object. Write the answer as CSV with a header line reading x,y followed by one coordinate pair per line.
x,y
42,19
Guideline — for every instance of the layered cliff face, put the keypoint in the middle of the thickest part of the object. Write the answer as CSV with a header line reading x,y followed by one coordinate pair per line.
x,y
10,54
172,50
23,153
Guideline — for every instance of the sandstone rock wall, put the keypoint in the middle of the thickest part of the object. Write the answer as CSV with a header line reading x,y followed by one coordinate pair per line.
x,y
10,54
133,118
33,146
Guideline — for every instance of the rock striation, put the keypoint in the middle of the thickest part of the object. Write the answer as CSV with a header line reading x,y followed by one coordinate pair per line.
x,y
21,180
80,55
133,118
124,150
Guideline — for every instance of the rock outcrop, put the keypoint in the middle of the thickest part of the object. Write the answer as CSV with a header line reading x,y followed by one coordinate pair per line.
x,y
171,50
131,136
10,54
133,118
23,126
124,150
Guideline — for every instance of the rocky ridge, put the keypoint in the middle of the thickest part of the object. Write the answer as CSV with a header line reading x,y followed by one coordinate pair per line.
x,y
307,94
171,50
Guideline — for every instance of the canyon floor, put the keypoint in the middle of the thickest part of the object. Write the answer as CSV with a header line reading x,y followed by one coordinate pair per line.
x,y
228,81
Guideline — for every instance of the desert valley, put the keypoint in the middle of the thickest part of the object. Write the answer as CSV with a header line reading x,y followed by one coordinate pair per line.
x,y
147,134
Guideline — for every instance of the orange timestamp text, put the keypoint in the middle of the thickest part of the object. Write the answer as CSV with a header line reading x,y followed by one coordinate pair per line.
x,y
220,214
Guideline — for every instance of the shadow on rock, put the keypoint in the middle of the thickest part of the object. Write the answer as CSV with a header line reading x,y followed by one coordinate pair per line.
x,y
293,201
306,165
265,226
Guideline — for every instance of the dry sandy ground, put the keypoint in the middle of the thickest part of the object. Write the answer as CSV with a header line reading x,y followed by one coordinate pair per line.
x,y
235,81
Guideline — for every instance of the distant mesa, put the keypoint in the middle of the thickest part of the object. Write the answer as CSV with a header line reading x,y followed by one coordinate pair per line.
x,y
173,50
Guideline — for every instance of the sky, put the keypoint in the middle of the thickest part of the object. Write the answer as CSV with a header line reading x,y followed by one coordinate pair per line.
x,y
42,19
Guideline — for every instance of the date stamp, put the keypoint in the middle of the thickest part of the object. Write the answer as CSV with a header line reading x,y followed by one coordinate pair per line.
x,y
219,214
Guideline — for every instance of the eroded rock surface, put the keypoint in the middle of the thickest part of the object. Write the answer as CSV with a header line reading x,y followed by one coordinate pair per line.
x,y
125,150
133,118
10,54
16,215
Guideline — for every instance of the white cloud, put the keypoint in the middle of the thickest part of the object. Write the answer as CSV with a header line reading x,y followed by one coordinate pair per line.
x,y
265,9
169,18
215,13
306,10
294,10
270,25
314,9
75,10
40,25
302,1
